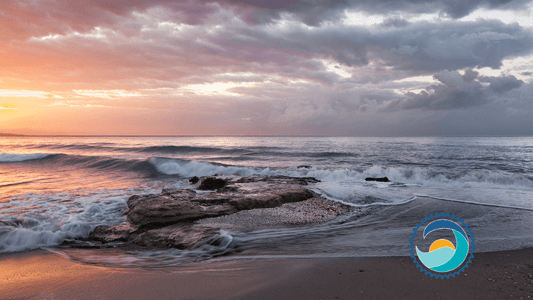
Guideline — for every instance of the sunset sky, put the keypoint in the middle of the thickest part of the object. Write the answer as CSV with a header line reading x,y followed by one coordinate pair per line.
x,y
308,67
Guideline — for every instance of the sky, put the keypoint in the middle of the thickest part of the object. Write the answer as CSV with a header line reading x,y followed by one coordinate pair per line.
x,y
293,67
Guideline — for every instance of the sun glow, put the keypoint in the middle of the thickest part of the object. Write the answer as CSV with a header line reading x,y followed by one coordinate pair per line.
x,y
23,93
216,88
107,93
96,33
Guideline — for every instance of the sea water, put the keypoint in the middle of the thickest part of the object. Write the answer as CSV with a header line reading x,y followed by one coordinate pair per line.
x,y
57,189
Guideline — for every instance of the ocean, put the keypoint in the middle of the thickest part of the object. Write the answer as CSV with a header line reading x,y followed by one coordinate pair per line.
x,y
57,189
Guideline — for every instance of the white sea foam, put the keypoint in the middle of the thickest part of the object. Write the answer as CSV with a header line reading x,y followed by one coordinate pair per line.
x,y
48,220
424,176
483,187
417,176
11,157
194,168
480,186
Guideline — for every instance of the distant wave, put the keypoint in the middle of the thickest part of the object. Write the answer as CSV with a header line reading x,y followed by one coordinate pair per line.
x,y
108,163
81,161
10,157
70,146
153,166
178,149
332,154
171,149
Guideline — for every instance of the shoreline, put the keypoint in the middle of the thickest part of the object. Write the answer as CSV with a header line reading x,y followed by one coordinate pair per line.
x,y
492,275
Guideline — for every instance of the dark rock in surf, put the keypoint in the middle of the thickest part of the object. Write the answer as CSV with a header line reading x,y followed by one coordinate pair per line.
x,y
380,179
167,220
174,206
170,208
279,179
194,180
109,234
211,183
181,236
304,167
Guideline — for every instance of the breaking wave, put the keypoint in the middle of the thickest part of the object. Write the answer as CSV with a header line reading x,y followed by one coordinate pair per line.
x,y
152,166
43,221
11,157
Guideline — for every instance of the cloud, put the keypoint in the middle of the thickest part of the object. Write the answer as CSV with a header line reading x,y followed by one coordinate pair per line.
x,y
502,84
23,94
265,66
420,46
145,40
313,12
21,19
470,75
455,92
395,22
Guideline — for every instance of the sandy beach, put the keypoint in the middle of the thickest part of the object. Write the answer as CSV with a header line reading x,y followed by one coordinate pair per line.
x,y
491,275
45,275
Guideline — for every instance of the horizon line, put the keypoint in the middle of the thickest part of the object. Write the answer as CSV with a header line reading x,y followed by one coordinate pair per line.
x,y
240,135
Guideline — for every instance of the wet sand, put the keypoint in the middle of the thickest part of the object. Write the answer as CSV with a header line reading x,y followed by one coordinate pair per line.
x,y
45,275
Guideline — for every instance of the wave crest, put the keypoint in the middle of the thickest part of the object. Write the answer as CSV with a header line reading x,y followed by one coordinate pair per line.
x,y
11,157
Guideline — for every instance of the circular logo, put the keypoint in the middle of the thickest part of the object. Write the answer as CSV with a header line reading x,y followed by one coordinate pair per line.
x,y
443,257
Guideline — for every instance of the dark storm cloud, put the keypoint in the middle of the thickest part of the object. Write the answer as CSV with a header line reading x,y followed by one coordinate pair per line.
x,y
501,85
470,75
421,46
453,93
20,19
312,12
395,22
527,73
191,54
456,91
454,45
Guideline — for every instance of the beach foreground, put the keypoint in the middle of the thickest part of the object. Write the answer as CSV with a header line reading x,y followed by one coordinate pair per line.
x,y
46,275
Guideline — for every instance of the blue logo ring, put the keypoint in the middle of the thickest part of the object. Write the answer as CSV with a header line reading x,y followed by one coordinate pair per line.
x,y
413,251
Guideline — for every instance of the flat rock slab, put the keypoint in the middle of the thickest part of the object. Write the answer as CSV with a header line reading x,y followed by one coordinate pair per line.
x,y
166,220
174,206
180,236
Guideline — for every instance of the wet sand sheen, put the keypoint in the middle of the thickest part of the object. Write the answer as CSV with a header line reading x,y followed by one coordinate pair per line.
x,y
44,275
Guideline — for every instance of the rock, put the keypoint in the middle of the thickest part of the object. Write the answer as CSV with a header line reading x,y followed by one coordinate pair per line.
x,y
193,180
304,167
168,219
181,236
279,179
272,199
380,179
289,214
212,183
167,209
108,234
173,206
